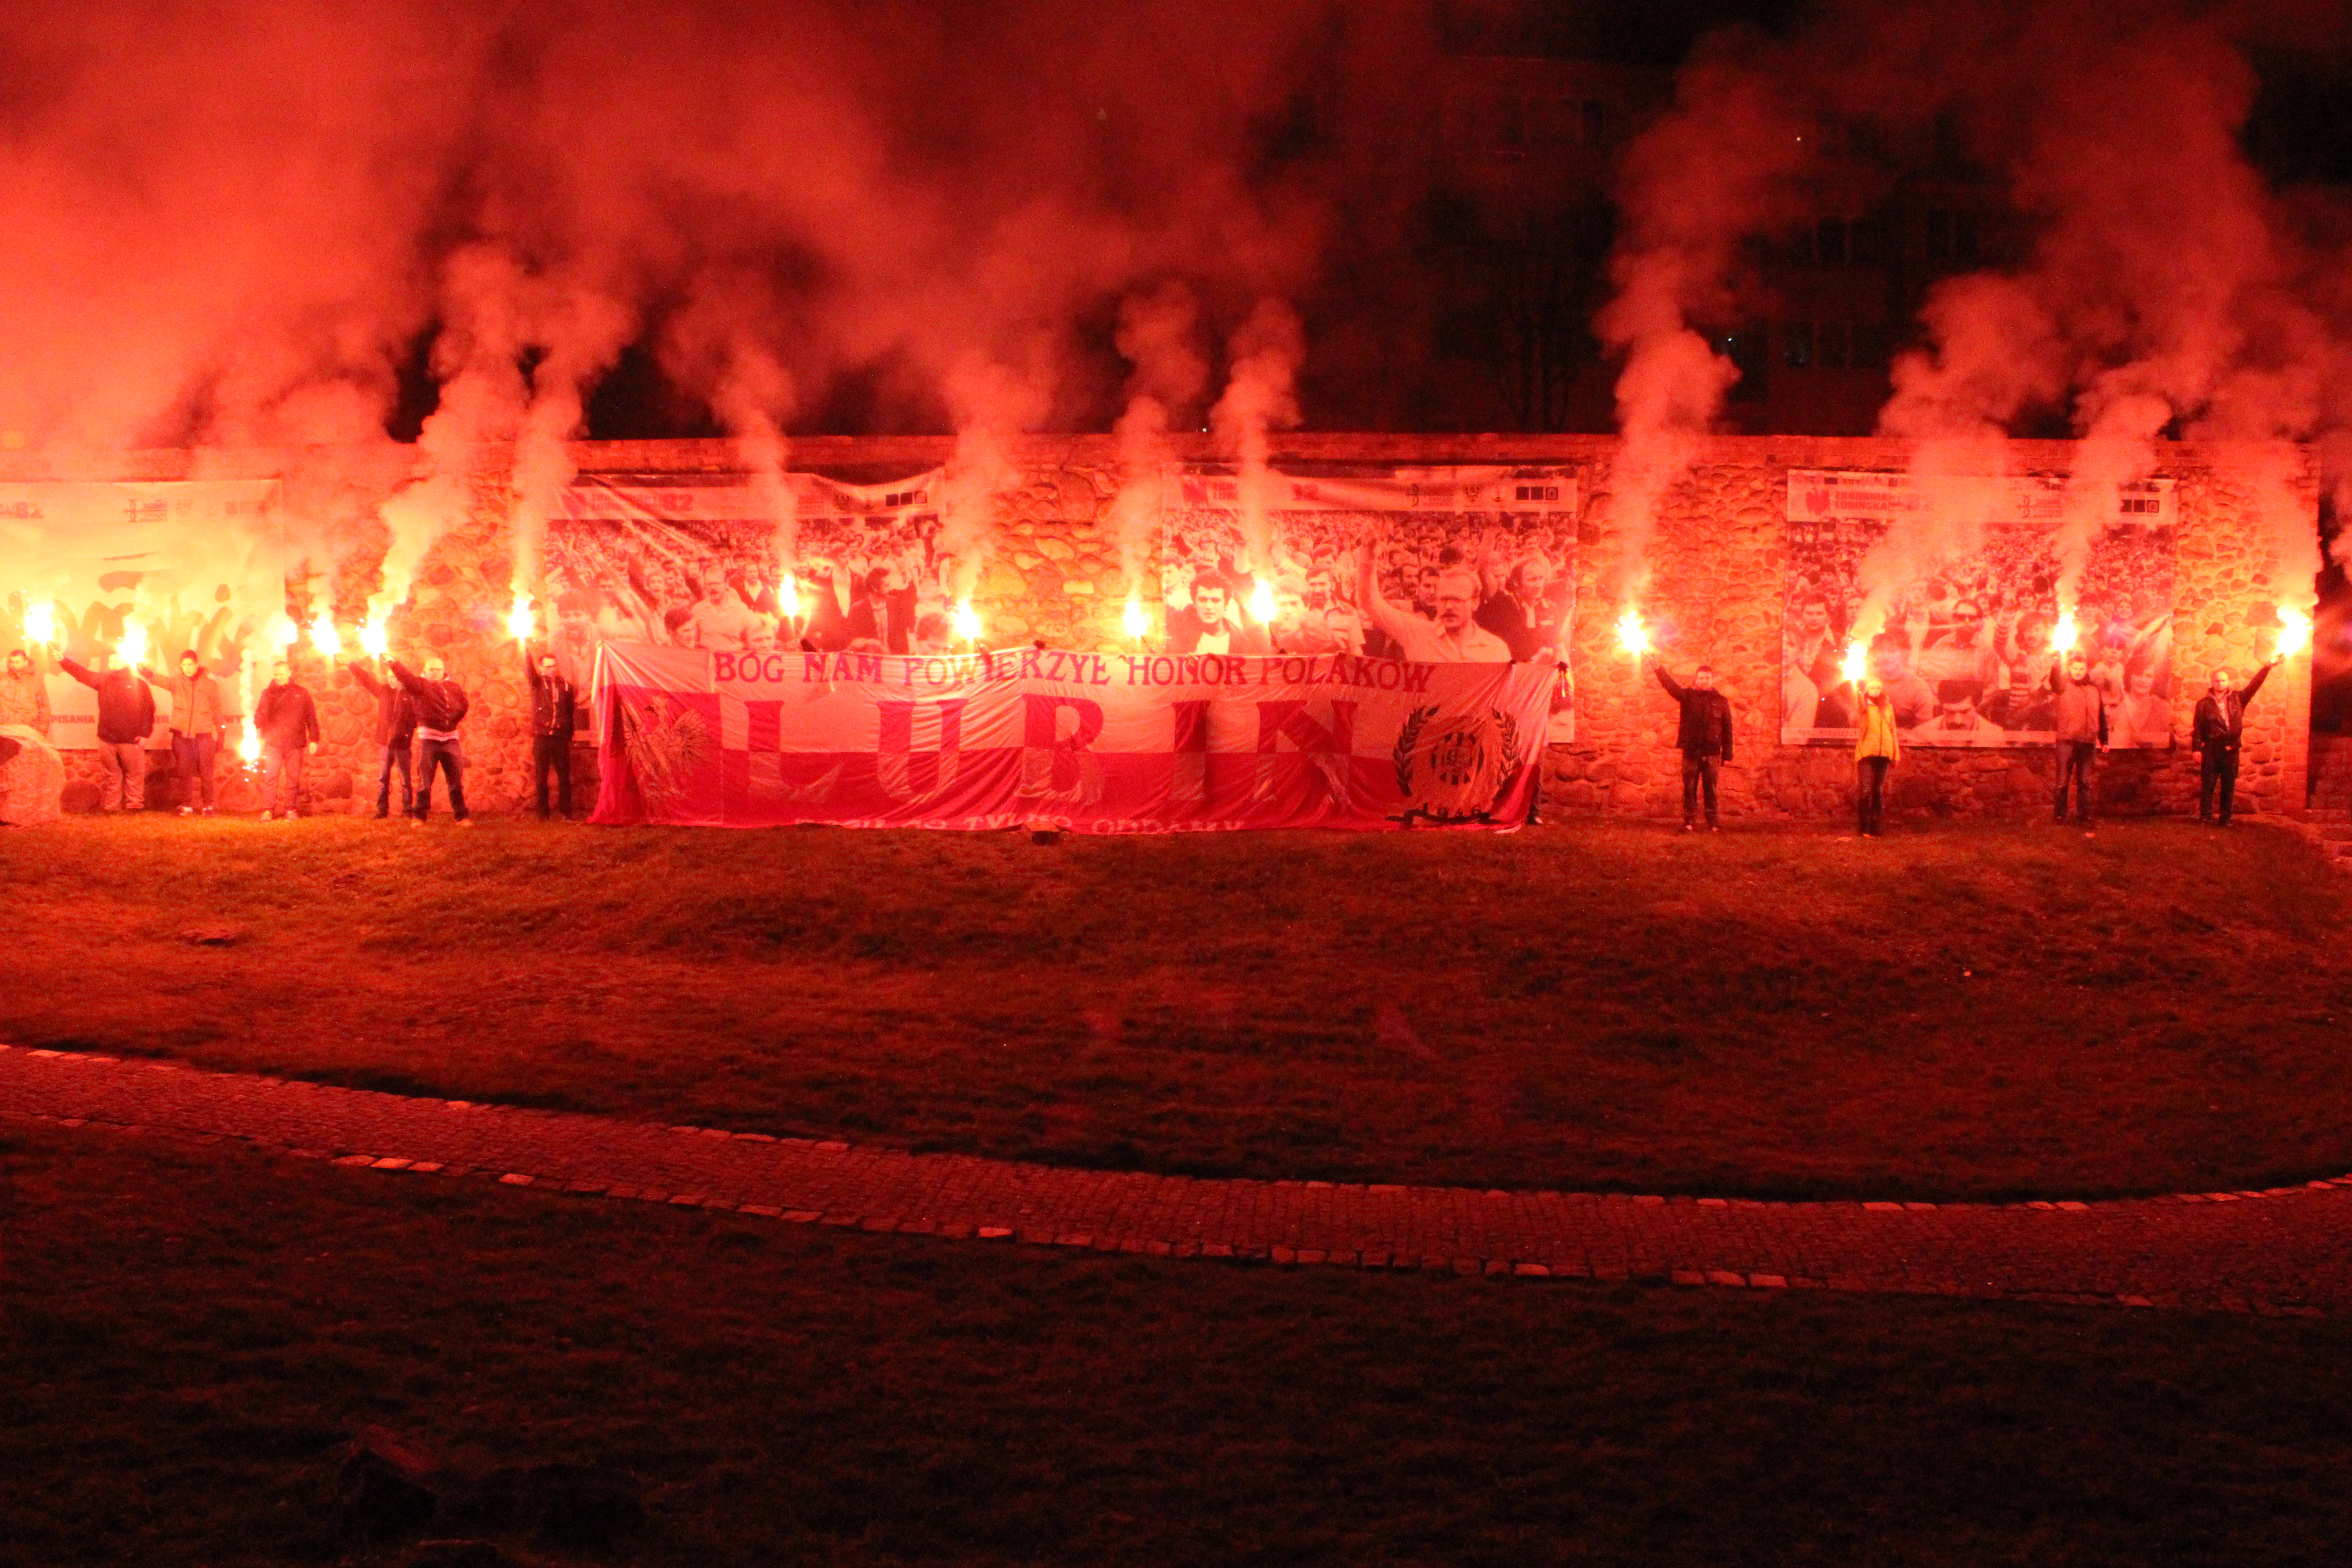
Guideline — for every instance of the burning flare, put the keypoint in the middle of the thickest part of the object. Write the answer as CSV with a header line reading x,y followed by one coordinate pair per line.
x,y
1855,663
1135,618
2062,637
41,623
323,636
372,638
2293,633
788,598
251,747
967,622
1261,601
132,651
1633,634
520,619
284,633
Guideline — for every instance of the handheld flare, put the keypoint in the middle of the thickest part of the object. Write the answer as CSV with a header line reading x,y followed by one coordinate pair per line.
x,y
967,622
323,636
1135,618
788,598
250,748
520,619
132,651
41,623
2293,633
1633,634
372,638
1855,663
2062,638
1261,601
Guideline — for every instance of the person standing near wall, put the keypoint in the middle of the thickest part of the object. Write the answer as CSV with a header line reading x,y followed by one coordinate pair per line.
x,y
2218,732
395,731
288,722
24,695
2080,721
440,708
1703,737
554,707
1877,746
126,717
195,728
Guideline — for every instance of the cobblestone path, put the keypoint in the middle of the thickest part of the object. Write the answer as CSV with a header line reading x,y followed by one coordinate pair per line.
x,y
2284,1250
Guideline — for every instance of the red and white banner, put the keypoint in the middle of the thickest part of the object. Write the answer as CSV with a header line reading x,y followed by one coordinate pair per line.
x,y
1098,742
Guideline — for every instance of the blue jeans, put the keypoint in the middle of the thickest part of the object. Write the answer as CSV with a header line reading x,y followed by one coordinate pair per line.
x,y
394,756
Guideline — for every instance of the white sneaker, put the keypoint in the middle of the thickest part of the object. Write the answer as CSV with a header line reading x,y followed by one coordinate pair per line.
x,y
465,822
264,816
187,811
416,821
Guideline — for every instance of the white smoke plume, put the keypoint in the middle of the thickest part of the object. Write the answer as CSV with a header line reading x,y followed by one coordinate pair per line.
x,y
1157,334
1260,397
1712,171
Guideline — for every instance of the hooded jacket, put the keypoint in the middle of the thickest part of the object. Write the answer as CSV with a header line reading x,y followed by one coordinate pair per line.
x,y
285,716
195,700
1875,733
126,708
2081,718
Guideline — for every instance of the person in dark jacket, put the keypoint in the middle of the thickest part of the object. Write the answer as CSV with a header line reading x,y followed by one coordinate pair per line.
x,y
288,722
1703,737
440,708
2079,721
2219,730
554,705
196,720
126,717
395,732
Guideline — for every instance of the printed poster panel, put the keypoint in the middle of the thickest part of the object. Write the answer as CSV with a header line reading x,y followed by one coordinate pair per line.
x,y
1096,742
1966,648
1486,555
700,561
194,564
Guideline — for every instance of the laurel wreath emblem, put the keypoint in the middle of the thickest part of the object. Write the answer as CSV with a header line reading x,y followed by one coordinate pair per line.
x,y
1408,739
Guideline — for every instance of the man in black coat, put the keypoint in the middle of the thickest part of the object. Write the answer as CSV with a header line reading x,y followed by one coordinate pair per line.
x,y
440,707
288,722
395,734
1703,737
126,717
554,705
2218,732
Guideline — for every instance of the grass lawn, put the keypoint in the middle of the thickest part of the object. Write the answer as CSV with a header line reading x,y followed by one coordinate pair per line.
x,y
1972,1010
188,1334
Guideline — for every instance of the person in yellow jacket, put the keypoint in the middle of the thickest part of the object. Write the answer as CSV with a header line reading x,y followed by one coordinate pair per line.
x,y
1878,742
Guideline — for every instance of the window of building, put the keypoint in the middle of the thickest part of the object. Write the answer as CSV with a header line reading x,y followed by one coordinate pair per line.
x,y
1828,345
1747,349
1797,344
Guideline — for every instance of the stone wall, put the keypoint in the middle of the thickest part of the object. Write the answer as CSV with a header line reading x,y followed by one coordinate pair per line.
x,y
1715,561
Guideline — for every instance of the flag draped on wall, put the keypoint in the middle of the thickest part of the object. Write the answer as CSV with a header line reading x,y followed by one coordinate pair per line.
x,y
1096,742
